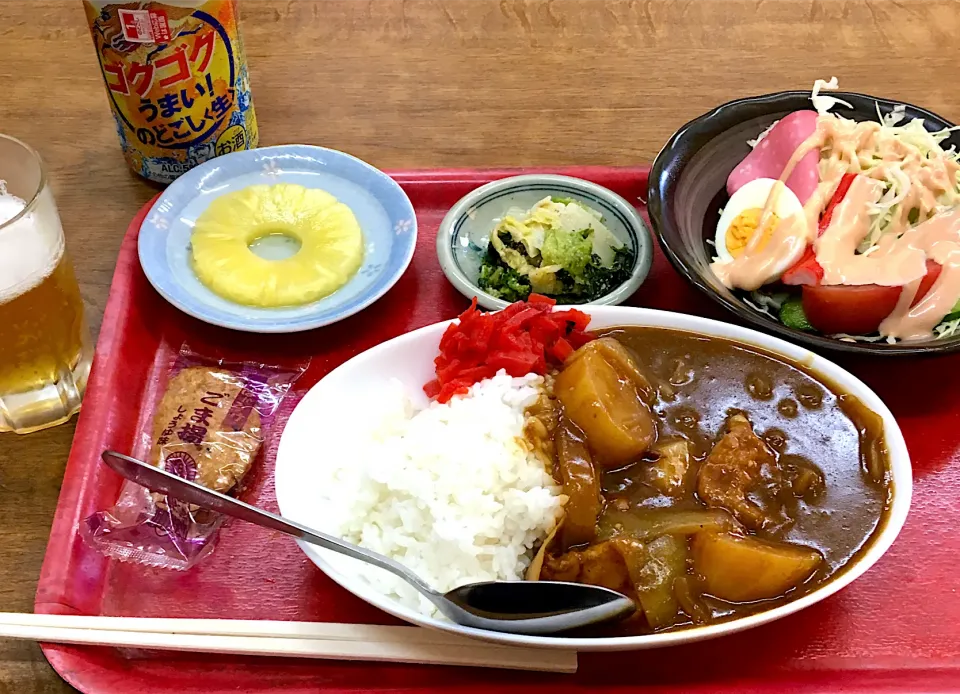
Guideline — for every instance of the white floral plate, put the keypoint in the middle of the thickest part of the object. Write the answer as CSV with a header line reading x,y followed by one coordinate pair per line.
x,y
383,210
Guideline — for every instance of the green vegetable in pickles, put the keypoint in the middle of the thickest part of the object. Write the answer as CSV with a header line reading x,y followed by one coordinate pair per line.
x,y
559,248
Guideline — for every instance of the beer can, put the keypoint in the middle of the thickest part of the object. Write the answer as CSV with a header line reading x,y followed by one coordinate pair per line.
x,y
176,75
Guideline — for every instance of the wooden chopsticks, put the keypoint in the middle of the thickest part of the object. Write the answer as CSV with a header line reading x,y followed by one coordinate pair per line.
x,y
397,644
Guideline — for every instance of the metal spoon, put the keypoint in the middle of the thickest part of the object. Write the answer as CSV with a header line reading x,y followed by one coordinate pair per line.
x,y
519,607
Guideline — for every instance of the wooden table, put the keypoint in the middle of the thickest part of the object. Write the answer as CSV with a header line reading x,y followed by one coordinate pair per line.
x,y
419,84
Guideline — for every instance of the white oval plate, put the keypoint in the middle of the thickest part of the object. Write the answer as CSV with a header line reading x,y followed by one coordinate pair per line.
x,y
353,389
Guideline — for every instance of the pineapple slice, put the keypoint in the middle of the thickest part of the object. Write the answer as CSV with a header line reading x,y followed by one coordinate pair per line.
x,y
331,245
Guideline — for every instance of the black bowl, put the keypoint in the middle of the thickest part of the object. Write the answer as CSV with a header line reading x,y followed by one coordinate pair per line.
x,y
688,189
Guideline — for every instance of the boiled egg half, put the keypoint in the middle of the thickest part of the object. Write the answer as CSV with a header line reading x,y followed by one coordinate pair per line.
x,y
741,217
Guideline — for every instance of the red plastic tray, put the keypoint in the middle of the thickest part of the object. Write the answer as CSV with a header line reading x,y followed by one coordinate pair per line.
x,y
895,629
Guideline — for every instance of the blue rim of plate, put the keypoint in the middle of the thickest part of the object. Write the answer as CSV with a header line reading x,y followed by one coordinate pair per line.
x,y
390,233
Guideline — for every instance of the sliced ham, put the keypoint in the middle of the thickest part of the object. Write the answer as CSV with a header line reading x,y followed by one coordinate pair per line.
x,y
769,158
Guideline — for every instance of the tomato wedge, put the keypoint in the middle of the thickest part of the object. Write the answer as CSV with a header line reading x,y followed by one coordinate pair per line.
x,y
933,272
855,310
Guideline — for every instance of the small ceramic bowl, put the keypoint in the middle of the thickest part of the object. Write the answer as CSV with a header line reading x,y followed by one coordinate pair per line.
x,y
465,230
688,189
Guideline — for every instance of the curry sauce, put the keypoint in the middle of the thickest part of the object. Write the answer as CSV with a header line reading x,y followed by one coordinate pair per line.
x,y
757,482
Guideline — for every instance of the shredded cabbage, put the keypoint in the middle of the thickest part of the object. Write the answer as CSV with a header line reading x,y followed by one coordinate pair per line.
x,y
896,184
844,337
948,328
872,159
766,303
759,138
822,103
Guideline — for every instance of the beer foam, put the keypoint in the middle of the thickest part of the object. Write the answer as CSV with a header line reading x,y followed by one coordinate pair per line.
x,y
29,249
10,205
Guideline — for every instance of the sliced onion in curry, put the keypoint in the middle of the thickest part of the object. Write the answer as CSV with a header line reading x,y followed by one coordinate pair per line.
x,y
645,524
581,485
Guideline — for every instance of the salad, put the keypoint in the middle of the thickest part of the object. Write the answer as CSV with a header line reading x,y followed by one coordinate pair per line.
x,y
559,248
846,228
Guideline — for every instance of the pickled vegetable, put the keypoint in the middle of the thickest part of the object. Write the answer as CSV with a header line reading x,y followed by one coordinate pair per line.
x,y
745,569
603,399
526,337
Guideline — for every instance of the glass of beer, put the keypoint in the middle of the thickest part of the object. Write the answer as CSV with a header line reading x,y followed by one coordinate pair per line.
x,y
45,352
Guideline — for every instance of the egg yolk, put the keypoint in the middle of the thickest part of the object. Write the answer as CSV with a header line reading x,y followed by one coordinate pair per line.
x,y
744,226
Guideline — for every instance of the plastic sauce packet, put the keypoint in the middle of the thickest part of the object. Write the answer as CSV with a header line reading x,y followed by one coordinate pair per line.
x,y
208,428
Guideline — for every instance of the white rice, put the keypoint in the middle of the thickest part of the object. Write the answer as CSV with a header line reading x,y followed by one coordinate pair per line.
x,y
452,491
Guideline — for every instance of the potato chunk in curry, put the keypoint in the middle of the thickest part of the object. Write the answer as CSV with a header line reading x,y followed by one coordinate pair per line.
x,y
744,569
603,392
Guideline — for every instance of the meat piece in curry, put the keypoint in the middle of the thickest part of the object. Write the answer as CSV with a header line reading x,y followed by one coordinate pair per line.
x,y
696,483
742,476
